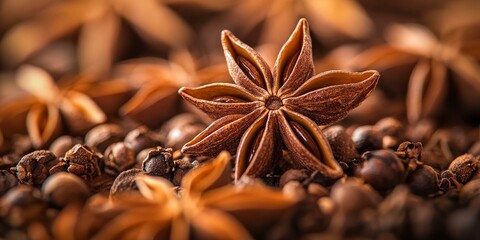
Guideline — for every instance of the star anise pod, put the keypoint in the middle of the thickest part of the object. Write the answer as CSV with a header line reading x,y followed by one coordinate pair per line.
x,y
100,23
52,109
332,18
264,112
433,60
208,206
158,81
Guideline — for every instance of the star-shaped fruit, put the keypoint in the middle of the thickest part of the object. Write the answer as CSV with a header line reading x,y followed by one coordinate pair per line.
x,y
265,112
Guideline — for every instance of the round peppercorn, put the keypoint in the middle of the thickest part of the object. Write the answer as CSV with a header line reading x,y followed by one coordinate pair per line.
x,y
382,169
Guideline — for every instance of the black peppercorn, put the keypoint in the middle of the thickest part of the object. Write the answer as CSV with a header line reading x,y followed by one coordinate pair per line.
x,y
34,167
101,136
341,142
118,157
159,162
423,181
141,138
62,144
61,189
125,182
382,169
366,138
21,205
81,161
7,181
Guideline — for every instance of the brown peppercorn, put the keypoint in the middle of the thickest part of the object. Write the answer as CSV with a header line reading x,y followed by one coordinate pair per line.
x,y
159,162
382,169
392,131
341,142
125,182
366,138
61,189
21,205
470,191
298,175
182,167
423,181
34,167
118,158
62,144
410,150
81,161
101,136
352,196
7,181
464,167
141,138
181,129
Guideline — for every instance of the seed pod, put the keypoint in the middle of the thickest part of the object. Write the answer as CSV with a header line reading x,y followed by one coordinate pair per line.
x,y
159,162
125,182
101,136
118,158
34,167
341,142
81,161
22,205
464,167
62,189
141,138
382,169
62,144
423,181
7,181
366,139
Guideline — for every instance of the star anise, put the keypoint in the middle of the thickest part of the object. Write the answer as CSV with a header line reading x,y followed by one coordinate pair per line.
x,y
333,18
100,23
264,112
207,207
54,108
158,81
432,60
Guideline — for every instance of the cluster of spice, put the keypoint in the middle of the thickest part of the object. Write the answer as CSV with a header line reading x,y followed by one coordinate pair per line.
x,y
119,120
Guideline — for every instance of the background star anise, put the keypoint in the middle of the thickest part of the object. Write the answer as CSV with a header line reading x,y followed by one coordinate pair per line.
x,y
435,64
264,112
272,20
158,81
207,206
100,24
50,109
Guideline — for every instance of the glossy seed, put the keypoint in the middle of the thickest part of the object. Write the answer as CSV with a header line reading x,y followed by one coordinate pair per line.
x,y
228,99
288,69
251,71
305,138
256,145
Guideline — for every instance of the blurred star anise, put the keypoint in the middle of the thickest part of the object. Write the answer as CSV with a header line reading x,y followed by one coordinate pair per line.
x,y
433,60
332,18
158,82
52,109
264,112
207,207
100,24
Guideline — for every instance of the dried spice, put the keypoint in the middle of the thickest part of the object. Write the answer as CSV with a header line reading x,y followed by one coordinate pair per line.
x,y
34,167
208,207
43,113
118,158
159,162
382,169
98,22
275,18
62,189
261,108
433,58
158,81
81,161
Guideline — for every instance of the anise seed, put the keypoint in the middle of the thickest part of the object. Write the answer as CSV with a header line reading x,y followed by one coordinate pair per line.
x,y
306,139
251,71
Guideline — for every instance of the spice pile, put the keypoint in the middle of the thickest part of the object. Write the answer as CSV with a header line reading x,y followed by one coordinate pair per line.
x,y
121,120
